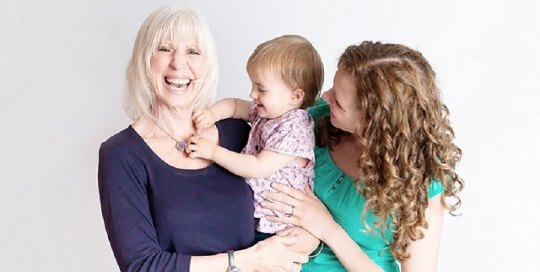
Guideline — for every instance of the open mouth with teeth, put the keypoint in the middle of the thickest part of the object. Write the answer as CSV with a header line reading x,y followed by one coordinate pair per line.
x,y
178,84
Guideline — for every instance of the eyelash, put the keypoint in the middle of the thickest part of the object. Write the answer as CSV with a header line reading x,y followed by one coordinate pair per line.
x,y
258,88
189,51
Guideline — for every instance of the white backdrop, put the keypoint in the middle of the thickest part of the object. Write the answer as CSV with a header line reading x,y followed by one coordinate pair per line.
x,y
62,74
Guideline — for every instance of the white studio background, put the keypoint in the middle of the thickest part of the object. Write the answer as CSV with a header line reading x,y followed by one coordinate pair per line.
x,y
62,74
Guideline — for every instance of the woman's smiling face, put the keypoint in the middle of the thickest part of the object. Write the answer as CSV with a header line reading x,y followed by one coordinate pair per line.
x,y
175,67
341,98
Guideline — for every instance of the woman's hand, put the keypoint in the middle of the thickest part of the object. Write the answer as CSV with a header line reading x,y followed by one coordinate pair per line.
x,y
305,210
272,254
307,243
311,214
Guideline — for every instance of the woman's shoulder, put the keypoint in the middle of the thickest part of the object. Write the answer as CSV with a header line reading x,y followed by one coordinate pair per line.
x,y
233,126
324,165
435,188
123,142
320,109
121,149
233,133
121,138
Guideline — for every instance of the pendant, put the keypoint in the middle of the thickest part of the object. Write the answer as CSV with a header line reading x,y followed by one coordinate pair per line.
x,y
181,146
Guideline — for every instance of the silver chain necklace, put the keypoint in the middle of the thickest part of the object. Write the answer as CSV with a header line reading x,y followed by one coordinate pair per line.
x,y
180,145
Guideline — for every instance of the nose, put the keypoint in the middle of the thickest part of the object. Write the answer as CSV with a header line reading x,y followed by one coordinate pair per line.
x,y
178,60
252,94
327,96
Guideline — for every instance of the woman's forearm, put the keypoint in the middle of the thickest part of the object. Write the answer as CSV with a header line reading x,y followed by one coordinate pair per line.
x,y
272,254
217,262
351,256
246,260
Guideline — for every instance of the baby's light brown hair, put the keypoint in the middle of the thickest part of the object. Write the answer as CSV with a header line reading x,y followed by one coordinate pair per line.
x,y
294,59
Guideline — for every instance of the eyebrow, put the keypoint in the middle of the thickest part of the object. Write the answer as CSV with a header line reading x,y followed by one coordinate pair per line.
x,y
260,85
166,42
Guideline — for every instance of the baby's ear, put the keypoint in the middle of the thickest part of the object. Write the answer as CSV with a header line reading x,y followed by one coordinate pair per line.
x,y
298,96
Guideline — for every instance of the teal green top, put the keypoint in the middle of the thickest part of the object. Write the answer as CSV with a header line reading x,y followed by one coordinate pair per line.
x,y
338,193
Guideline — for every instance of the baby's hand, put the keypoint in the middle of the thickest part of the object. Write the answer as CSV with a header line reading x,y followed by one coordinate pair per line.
x,y
200,147
203,119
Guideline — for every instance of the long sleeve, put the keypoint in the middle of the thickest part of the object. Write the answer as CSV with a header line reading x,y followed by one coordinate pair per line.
x,y
127,216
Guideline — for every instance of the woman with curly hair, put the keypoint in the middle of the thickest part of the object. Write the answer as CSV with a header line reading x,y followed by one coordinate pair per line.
x,y
385,161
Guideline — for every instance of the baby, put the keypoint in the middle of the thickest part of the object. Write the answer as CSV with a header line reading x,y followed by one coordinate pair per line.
x,y
287,75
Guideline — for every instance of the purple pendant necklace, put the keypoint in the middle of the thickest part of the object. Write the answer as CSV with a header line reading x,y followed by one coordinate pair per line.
x,y
180,145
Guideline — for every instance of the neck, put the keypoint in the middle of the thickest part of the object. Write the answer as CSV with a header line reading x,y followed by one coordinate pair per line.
x,y
177,129
351,146
163,125
345,155
176,123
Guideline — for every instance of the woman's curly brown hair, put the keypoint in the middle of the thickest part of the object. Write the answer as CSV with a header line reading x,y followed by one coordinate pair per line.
x,y
407,136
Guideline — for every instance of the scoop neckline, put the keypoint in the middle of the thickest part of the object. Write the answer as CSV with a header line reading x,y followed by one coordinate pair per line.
x,y
155,157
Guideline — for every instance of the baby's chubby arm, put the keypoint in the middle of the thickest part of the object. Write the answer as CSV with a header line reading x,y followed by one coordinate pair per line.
x,y
225,108
245,165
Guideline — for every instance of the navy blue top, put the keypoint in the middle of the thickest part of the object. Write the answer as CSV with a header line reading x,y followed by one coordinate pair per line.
x,y
158,216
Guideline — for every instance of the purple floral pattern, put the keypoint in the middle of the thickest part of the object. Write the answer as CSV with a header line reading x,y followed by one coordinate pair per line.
x,y
290,134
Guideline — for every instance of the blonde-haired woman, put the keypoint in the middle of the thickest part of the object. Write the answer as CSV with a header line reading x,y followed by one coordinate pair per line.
x,y
164,211
385,161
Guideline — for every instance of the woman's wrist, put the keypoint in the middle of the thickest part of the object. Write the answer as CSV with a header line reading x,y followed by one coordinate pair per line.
x,y
318,250
330,236
244,259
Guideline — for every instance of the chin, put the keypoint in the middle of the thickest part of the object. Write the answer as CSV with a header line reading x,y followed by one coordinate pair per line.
x,y
333,122
261,113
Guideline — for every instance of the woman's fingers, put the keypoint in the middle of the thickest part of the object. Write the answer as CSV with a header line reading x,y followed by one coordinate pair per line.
x,y
288,218
287,200
283,219
277,254
291,241
309,192
286,231
301,258
284,199
288,190
296,267
286,209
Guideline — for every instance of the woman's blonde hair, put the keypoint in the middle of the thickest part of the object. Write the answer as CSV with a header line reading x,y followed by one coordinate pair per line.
x,y
407,136
295,60
168,24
